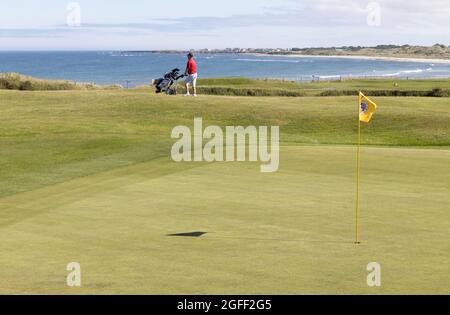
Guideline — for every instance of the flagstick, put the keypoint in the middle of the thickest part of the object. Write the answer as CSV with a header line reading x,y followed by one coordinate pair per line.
x,y
358,164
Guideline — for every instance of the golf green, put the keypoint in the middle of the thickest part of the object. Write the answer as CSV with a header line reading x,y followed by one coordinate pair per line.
x,y
87,177
286,232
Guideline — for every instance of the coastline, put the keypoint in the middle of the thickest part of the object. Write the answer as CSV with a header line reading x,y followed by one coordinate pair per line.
x,y
381,58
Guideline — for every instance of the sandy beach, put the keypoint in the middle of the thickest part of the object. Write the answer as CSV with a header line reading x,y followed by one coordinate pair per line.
x,y
406,59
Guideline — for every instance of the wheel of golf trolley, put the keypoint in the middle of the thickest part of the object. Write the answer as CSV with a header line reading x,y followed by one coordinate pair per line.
x,y
172,91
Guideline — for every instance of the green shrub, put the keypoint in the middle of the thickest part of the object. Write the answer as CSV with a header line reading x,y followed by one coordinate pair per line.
x,y
438,92
232,91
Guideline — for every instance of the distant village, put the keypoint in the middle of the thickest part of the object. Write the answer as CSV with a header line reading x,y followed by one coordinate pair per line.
x,y
247,50
235,51
435,51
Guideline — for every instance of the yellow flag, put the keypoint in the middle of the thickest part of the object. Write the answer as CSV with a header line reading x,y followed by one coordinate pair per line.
x,y
366,108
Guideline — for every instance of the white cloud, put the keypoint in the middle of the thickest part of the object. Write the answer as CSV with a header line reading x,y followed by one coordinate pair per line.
x,y
283,23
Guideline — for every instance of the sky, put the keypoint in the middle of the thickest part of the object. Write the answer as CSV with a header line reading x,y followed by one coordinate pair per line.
x,y
195,24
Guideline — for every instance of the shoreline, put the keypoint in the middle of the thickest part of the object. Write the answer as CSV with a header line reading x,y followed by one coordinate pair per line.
x,y
381,58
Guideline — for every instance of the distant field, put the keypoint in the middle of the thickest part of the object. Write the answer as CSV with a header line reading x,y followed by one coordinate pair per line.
x,y
87,177
366,84
437,51
382,87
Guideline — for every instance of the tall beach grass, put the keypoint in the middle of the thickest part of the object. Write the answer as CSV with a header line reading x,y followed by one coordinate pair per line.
x,y
16,81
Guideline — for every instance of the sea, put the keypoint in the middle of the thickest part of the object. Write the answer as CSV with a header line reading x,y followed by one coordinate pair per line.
x,y
137,68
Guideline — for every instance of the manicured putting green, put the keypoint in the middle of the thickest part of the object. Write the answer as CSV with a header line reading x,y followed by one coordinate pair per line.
x,y
286,232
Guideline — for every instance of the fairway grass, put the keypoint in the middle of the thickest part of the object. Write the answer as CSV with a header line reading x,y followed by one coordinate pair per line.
x,y
87,177
52,137
287,232
349,84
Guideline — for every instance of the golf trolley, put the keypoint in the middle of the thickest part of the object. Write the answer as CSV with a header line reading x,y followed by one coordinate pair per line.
x,y
169,83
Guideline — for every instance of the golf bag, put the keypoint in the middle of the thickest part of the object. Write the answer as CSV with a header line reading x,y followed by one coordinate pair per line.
x,y
169,83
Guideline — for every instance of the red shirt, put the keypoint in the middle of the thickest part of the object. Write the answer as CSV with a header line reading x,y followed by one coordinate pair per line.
x,y
191,66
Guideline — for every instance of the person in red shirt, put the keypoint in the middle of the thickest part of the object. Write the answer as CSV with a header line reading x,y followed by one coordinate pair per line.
x,y
191,75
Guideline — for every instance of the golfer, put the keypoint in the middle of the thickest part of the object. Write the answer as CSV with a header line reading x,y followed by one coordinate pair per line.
x,y
191,75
